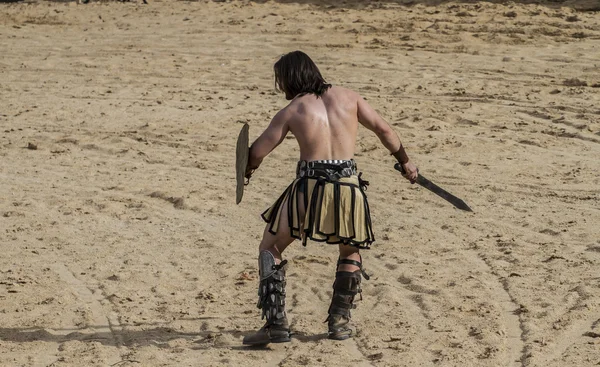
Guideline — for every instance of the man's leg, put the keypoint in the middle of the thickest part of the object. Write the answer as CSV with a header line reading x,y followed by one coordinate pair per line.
x,y
345,288
349,253
271,290
277,243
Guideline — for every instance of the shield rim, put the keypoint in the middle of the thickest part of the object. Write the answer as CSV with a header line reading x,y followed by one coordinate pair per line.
x,y
241,162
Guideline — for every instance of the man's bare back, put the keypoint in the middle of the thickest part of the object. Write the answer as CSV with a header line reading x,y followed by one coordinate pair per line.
x,y
325,127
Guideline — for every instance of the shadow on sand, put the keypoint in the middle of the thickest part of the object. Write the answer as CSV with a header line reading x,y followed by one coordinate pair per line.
x,y
158,336
584,5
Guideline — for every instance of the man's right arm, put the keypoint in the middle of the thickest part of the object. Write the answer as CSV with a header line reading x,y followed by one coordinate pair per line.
x,y
370,119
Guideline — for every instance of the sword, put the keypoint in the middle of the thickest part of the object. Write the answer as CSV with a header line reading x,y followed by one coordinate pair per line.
x,y
421,180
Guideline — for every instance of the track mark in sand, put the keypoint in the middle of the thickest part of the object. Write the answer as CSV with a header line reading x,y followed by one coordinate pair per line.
x,y
575,332
356,352
100,322
516,354
276,358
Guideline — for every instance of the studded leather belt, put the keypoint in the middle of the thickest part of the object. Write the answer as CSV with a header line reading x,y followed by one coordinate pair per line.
x,y
329,169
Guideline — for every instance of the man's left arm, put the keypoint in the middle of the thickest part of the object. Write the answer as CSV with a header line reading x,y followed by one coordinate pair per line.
x,y
267,141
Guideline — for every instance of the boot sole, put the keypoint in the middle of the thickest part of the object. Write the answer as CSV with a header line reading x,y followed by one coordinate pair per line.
x,y
277,340
281,340
339,336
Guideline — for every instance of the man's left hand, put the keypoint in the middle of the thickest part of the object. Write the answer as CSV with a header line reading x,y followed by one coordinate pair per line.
x,y
249,172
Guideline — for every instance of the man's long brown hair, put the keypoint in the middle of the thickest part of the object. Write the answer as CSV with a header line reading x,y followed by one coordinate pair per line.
x,y
296,75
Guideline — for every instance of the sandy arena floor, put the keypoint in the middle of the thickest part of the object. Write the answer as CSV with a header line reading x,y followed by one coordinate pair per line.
x,y
121,241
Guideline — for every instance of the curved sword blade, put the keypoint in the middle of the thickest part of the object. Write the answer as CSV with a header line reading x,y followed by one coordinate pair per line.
x,y
457,202
421,180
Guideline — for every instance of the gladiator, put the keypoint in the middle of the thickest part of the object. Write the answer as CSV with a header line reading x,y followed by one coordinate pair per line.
x,y
326,202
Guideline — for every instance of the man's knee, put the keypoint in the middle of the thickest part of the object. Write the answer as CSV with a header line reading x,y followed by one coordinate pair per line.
x,y
275,245
349,253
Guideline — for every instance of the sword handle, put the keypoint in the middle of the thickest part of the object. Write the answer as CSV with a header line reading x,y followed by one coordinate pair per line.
x,y
399,167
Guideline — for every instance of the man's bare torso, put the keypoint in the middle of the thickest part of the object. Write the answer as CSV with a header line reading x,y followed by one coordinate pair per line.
x,y
325,127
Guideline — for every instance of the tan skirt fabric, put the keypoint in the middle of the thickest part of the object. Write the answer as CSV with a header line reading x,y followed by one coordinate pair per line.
x,y
335,212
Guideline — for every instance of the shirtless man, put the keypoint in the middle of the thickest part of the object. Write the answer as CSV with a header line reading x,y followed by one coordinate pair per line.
x,y
326,202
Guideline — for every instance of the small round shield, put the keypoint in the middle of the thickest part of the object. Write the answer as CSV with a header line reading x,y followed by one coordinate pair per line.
x,y
241,161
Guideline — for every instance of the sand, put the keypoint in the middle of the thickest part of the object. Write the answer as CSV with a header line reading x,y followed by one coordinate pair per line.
x,y
121,241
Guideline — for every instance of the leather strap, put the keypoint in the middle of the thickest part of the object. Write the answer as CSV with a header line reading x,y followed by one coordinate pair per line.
x,y
401,155
356,263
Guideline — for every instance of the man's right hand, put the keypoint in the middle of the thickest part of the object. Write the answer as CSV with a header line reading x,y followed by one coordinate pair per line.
x,y
410,172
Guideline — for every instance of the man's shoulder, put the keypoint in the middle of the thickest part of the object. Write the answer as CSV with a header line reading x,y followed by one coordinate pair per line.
x,y
301,104
283,113
341,90
290,111
344,95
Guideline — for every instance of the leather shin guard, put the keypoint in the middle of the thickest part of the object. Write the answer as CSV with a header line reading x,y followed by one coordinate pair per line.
x,y
345,289
271,299
271,289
